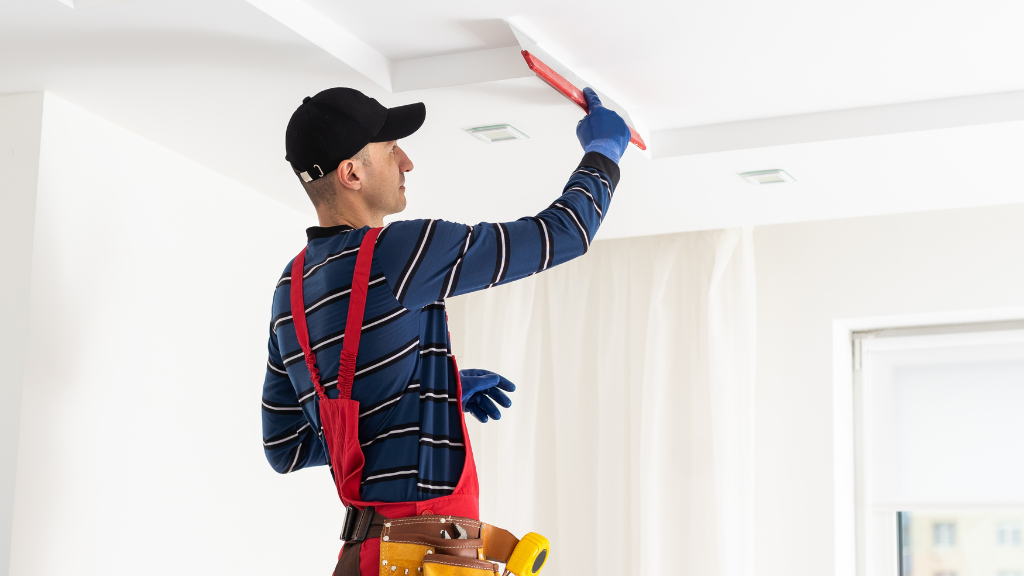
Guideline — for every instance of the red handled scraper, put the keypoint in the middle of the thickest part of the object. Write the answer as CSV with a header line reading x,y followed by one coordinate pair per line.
x,y
571,92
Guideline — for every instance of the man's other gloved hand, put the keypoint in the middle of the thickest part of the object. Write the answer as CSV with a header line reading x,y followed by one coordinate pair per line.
x,y
480,389
602,130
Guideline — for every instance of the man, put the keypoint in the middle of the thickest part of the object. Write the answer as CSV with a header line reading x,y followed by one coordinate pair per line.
x,y
343,146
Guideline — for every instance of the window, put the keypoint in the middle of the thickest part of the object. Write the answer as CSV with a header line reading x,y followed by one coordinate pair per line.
x,y
961,542
1008,535
944,534
938,472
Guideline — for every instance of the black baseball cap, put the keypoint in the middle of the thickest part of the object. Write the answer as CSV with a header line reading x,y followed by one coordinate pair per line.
x,y
335,124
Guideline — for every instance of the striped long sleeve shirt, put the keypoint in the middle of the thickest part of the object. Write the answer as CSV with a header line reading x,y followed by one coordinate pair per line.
x,y
409,420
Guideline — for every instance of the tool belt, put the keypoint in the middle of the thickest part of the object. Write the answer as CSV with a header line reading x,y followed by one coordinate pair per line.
x,y
428,545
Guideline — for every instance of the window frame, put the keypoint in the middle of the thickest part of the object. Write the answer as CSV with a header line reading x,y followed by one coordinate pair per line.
x,y
854,529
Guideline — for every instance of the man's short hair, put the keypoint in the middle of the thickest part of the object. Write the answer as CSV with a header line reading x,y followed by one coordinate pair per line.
x,y
321,191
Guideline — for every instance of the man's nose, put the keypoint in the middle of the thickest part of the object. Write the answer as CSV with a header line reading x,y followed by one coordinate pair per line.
x,y
405,164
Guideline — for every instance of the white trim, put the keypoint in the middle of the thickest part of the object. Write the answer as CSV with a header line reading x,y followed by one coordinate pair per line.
x,y
448,442
416,260
583,229
547,245
325,343
451,278
592,200
384,405
422,485
398,312
409,471
328,260
939,114
295,435
323,301
388,433
596,174
397,354
298,450
279,321
283,409
501,262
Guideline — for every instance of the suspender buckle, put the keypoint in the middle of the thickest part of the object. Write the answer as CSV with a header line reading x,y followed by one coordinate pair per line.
x,y
357,523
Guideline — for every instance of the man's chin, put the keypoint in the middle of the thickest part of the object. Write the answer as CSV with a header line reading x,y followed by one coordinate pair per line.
x,y
400,205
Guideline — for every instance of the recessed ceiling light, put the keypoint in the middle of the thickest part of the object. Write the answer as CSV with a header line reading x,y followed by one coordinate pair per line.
x,y
497,133
767,177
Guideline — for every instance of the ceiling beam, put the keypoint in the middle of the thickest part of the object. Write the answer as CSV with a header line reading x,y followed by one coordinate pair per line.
x,y
457,69
840,124
333,39
394,76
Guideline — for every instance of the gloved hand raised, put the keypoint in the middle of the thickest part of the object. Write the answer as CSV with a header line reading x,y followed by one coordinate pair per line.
x,y
602,130
479,387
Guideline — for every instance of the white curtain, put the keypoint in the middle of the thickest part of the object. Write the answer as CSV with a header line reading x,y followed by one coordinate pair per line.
x,y
630,439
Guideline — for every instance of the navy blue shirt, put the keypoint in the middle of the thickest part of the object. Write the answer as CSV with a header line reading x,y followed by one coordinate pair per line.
x,y
409,421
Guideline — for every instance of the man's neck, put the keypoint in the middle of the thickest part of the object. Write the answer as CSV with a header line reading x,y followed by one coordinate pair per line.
x,y
354,218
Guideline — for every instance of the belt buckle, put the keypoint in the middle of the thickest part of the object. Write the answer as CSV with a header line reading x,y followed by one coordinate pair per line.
x,y
348,526
357,523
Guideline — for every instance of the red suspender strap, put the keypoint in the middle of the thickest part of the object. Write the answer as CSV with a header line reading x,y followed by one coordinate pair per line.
x,y
299,320
356,307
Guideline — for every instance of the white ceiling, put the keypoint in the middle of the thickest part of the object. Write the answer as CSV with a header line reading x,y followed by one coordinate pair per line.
x,y
216,81
690,63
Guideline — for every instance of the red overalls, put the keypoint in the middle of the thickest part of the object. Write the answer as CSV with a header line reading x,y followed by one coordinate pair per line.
x,y
339,418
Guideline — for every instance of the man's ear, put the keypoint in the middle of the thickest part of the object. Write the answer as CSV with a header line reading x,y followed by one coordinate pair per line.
x,y
350,174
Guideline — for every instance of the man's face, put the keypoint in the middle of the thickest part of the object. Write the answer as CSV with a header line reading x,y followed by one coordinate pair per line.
x,y
385,177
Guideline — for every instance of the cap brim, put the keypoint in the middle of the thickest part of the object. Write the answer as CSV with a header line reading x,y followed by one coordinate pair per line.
x,y
402,121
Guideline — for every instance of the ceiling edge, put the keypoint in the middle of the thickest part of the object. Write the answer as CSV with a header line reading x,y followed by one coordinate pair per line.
x,y
840,124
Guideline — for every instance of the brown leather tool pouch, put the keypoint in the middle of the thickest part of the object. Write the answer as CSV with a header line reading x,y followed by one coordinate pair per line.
x,y
406,543
444,565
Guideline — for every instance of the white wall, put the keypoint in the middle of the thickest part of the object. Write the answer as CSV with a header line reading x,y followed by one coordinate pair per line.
x,y
140,445
20,125
140,426
812,273
808,275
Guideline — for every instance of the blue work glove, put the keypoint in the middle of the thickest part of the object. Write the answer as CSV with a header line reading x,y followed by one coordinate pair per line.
x,y
602,130
480,389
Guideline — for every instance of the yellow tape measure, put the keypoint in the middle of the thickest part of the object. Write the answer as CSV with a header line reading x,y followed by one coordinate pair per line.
x,y
529,555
